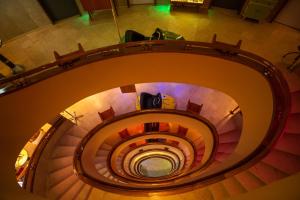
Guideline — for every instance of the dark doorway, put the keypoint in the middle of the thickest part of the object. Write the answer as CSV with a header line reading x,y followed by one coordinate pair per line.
x,y
59,9
229,4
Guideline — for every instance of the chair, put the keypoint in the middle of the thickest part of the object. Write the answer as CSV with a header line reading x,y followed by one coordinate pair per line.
x,y
182,131
124,134
164,127
107,114
70,58
194,108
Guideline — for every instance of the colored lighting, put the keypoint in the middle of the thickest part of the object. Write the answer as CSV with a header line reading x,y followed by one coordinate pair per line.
x,y
85,18
163,8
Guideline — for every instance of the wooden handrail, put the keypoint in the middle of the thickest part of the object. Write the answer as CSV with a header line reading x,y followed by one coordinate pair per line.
x,y
217,49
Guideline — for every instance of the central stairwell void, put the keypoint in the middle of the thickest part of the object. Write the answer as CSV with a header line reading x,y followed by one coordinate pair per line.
x,y
228,125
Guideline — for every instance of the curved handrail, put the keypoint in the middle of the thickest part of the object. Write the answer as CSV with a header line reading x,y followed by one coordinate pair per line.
x,y
216,49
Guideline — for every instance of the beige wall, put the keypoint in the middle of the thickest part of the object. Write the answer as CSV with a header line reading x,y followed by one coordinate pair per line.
x,y
20,16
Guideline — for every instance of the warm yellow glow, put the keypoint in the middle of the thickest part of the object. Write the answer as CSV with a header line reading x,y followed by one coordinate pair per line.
x,y
22,158
46,127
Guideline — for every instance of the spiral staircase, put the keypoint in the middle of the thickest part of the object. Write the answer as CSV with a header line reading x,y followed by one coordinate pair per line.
x,y
187,155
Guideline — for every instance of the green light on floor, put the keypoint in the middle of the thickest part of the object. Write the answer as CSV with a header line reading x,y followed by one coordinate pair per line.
x,y
210,12
162,8
85,17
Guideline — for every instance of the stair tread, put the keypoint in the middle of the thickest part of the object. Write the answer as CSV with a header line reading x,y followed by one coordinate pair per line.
x,y
292,124
289,143
59,189
73,191
226,147
221,156
248,180
102,171
84,192
283,161
69,140
102,152
63,151
218,191
228,137
59,163
233,186
295,102
266,172
59,175
100,159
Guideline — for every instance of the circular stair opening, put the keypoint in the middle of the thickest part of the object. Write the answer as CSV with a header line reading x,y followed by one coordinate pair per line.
x,y
154,167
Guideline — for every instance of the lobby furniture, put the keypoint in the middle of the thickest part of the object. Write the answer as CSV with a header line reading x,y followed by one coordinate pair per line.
x,y
107,114
193,107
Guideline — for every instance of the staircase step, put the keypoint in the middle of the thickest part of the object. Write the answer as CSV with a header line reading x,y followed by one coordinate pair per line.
x,y
107,174
59,189
289,143
232,136
221,156
295,98
228,125
102,171
201,194
63,151
293,123
106,146
84,192
292,80
283,161
233,186
100,159
248,180
102,152
100,165
69,140
77,132
59,163
199,142
218,191
267,173
59,175
226,147
73,191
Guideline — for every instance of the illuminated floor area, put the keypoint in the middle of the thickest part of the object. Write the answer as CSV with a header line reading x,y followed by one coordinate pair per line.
x,y
270,40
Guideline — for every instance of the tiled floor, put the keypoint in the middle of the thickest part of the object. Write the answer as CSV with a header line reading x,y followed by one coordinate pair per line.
x,y
270,40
